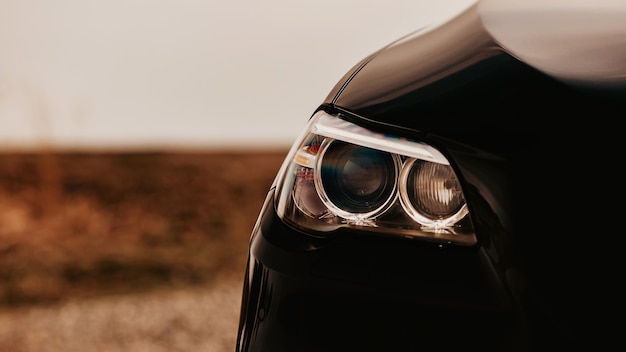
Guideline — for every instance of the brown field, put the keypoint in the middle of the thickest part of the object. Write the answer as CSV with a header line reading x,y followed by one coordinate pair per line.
x,y
84,227
76,225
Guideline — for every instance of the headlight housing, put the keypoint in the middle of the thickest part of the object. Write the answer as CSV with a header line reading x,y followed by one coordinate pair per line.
x,y
339,174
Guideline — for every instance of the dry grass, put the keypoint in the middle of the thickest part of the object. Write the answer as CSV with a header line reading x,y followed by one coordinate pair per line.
x,y
78,225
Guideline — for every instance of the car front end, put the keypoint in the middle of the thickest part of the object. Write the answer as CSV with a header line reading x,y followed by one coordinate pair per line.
x,y
424,205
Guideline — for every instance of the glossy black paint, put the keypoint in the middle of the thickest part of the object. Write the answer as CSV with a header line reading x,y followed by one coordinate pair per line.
x,y
534,153
457,83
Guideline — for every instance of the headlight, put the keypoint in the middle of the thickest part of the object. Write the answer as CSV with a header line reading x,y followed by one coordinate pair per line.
x,y
342,175
355,182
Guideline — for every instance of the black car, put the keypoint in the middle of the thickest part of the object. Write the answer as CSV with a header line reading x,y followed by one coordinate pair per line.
x,y
458,189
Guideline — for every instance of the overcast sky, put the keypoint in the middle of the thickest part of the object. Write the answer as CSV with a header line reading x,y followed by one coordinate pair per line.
x,y
190,73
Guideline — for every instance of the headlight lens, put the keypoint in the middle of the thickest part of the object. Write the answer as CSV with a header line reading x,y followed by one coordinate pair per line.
x,y
356,182
342,175
431,194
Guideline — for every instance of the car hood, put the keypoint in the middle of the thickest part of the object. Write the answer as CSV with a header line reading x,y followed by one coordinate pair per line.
x,y
493,71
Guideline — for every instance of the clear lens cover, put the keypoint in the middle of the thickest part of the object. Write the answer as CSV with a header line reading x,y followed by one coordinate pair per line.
x,y
339,174
354,182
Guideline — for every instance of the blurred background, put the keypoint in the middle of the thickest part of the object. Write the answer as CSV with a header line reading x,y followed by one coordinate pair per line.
x,y
138,139
199,73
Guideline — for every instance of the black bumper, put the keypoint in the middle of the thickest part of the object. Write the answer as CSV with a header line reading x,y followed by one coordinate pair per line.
x,y
356,293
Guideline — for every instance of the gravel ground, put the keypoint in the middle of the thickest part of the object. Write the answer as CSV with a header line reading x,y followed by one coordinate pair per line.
x,y
189,320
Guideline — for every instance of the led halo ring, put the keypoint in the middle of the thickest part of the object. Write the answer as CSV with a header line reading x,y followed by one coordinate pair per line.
x,y
387,190
413,212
